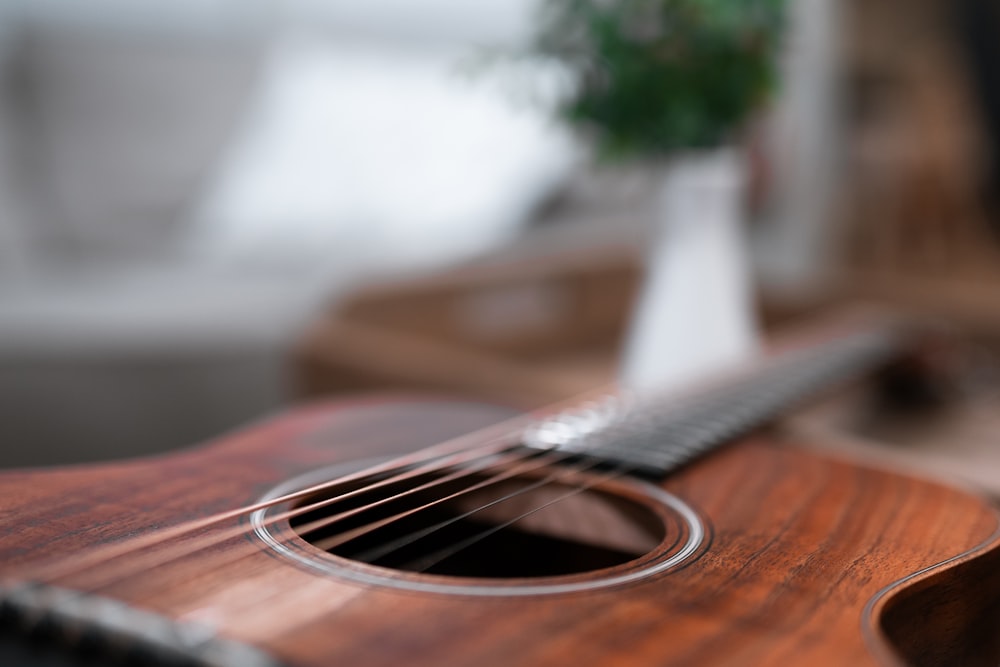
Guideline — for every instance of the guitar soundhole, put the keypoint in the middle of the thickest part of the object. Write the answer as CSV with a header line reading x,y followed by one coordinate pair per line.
x,y
467,532
516,528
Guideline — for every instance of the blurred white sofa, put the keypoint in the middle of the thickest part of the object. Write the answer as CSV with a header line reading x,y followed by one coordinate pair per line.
x,y
177,198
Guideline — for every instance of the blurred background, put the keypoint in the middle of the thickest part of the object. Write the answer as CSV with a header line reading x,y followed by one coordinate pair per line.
x,y
212,210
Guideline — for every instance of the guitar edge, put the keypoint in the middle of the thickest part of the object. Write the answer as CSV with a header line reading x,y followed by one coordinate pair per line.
x,y
809,560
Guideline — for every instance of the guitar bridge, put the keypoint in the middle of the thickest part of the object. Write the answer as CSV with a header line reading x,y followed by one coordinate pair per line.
x,y
42,624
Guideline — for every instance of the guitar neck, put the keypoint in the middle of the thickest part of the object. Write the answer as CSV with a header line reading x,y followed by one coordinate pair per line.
x,y
657,434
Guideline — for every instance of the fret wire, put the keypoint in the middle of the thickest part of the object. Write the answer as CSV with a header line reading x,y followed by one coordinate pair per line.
x,y
650,435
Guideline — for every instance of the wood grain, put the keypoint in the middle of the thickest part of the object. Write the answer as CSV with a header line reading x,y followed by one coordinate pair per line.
x,y
800,544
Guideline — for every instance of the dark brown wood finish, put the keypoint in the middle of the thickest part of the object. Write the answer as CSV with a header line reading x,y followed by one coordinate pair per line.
x,y
804,553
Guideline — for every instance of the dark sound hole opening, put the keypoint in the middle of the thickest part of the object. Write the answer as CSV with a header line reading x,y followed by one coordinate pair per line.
x,y
555,529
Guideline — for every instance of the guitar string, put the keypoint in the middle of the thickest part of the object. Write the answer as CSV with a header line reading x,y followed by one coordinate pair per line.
x,y
267,594
509,429
390,547
325,522
433,559
212,540
60,567
386,549
430,560
370,527
261,601
383,550
141,566
318,524
447,552
201,524
559,475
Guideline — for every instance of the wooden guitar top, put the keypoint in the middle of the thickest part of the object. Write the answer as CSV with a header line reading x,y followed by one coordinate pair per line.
x,y
804,559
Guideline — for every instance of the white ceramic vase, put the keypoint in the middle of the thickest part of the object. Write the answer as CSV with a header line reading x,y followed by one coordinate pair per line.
x,y
695,315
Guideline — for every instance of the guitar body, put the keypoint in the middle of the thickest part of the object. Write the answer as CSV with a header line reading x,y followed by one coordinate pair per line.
x,y
803,559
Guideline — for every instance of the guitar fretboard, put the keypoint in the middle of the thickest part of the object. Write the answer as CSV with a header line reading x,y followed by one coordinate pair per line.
x,y
658,434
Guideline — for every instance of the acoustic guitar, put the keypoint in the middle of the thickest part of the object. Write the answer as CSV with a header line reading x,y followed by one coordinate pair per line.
x,y
616,530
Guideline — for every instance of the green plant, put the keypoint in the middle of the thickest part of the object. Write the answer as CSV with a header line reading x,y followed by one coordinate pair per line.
x,y
653,76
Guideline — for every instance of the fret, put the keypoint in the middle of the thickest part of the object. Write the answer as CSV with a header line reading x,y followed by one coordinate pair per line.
x,y
657,434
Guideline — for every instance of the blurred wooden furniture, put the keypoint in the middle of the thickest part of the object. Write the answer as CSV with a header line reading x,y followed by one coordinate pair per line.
x,y
912,203
529,325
